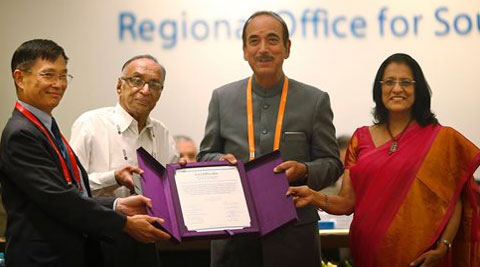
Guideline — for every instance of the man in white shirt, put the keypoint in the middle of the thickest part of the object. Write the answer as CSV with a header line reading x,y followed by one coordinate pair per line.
x,y
106,140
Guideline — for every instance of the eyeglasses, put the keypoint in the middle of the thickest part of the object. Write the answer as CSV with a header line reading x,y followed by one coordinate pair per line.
x,y
402,83
137,82
52,77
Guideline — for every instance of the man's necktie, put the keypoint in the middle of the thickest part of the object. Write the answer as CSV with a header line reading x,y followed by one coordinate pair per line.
x,y
61,146
58,138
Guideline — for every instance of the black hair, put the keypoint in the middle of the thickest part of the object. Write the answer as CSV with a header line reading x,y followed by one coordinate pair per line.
x,y
28,52
421,107
272,14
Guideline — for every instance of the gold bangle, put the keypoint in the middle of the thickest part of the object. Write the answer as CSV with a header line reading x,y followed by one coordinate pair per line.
x,y
447,244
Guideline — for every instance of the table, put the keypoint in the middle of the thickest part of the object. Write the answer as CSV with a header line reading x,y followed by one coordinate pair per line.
x,y
331,238
334,238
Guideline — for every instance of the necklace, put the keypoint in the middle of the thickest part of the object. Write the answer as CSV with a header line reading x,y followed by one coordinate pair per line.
x,y
394,146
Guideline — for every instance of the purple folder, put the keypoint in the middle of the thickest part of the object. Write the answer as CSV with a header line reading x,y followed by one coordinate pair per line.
x,y
264,191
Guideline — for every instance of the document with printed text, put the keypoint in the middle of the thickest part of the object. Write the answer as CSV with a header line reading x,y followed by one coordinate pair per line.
x,y
212,198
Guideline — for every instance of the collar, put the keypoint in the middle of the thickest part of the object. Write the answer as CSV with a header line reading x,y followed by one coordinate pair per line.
x,y
125,120
43,117
267,92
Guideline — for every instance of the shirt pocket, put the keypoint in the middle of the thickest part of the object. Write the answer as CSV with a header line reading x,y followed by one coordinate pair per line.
x,y
294,146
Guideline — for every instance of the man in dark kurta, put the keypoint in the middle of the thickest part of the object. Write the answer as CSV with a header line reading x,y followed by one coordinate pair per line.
x,y
306,139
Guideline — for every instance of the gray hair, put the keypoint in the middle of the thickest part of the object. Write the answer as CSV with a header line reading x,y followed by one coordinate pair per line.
x,y
152,58
343,141
180,137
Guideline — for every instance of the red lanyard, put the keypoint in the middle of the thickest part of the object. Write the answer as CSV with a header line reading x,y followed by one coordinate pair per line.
x,y
278,127
73,160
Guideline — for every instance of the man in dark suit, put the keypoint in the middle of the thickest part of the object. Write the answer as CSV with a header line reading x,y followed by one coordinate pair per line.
x,y
52,219
265,112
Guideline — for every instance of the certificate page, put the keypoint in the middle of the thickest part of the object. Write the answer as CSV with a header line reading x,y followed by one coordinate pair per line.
x,y
212,198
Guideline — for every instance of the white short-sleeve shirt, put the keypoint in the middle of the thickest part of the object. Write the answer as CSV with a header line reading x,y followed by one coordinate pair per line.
x,y
106,139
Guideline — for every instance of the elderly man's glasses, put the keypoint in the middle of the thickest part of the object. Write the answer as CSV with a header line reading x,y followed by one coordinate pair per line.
x,y
138,83
403,83
52,77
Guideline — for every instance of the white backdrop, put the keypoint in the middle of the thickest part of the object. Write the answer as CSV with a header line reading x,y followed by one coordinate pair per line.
x,y
99,36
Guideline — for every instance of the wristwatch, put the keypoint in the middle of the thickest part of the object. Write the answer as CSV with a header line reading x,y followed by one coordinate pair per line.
x,y
447,243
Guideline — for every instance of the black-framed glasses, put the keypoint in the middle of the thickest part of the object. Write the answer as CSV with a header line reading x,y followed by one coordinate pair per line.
x,y
390,83
52,77
137,82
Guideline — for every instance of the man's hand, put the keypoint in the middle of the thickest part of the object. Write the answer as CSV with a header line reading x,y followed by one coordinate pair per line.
x,y
133,205
141,229
124,175
302,195
230,158
293,169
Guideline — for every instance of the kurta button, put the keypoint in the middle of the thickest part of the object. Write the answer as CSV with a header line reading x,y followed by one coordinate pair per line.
x,y
264,131
266,106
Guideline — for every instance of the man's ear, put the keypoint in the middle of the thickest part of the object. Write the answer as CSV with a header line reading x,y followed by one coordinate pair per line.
x,y
18,78
119,86
245,53
289,43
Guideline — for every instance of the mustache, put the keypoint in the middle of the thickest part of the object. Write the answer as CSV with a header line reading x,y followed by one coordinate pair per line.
x,y
264,57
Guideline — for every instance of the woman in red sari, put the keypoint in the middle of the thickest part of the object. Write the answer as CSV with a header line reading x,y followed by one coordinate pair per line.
x,y
408,180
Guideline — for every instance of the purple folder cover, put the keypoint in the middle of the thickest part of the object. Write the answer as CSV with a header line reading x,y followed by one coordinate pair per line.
x,y
264,190
157,188
274,209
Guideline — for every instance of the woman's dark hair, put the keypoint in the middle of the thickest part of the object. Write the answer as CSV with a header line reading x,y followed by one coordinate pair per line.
x,y
421,107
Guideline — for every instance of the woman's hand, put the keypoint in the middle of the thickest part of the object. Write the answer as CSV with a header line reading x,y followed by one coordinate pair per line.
x,y
302,195
431,258
342,204
435,256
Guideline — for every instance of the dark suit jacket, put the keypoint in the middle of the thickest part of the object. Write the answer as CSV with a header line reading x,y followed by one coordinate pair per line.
x,y
49,223
308,134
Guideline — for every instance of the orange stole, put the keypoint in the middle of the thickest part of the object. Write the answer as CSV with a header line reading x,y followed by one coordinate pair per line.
x,y
444,174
